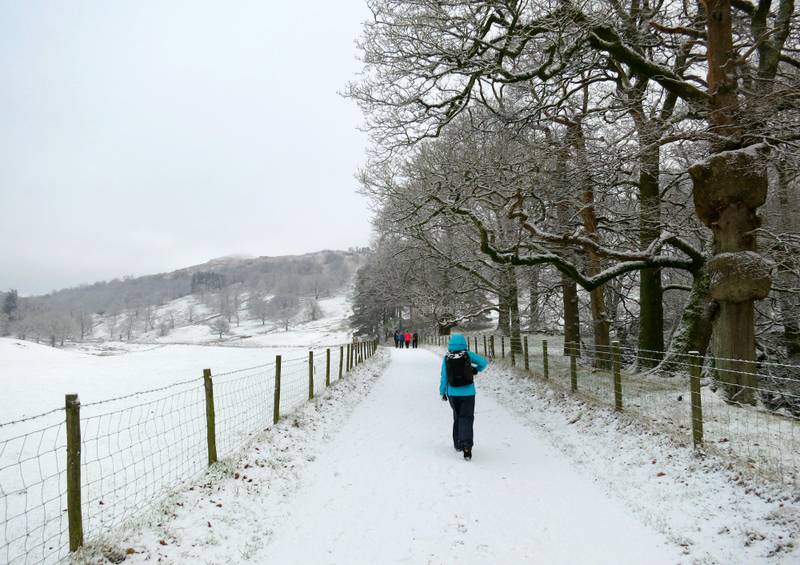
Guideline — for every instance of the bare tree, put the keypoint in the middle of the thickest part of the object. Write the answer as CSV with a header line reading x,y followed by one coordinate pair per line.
x,y
283,307
85,322
111,319
258,307
130,320
314,310
220,326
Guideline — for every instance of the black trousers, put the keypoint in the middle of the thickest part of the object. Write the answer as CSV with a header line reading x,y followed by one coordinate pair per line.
x,y
463,418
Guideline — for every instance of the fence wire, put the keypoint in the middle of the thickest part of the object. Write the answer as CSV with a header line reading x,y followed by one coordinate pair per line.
x,y
33,491
135,449
131,455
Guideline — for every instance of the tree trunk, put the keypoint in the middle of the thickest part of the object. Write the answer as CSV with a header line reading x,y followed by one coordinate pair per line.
x,y
533,300
504,313
569,289
513,309
789,306
695,328
600,324
651,293
572,321
728,188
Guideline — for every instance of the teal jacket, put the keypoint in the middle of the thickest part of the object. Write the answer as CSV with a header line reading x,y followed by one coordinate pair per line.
x,y
459,343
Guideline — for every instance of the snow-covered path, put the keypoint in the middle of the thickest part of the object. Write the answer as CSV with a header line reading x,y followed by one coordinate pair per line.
x,y
389,488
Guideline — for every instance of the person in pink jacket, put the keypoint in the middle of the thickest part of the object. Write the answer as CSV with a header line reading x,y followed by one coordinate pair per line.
x,y
408,339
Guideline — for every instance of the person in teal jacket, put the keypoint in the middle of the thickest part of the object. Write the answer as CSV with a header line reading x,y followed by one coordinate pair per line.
x,y
461,398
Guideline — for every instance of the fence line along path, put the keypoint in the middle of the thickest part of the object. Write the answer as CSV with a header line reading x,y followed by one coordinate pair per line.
x,y
688,399
74,473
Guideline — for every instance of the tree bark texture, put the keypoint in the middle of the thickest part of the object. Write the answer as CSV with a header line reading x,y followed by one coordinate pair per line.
x,y
651,293
600,323
728,188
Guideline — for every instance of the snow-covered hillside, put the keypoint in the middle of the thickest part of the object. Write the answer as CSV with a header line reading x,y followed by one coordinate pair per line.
x,y
192,322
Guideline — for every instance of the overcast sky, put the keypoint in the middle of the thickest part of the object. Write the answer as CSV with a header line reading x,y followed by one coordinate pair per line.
x,y
140,136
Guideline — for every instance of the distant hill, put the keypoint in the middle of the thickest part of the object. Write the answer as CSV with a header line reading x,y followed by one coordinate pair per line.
x,y
72,313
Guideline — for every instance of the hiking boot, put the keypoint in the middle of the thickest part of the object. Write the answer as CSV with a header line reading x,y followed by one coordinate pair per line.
x,y
467,453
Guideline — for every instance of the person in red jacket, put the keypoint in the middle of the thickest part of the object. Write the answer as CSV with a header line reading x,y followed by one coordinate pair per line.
x,y
408,339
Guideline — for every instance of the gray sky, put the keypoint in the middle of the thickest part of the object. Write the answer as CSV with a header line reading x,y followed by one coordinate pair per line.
x,y
139,137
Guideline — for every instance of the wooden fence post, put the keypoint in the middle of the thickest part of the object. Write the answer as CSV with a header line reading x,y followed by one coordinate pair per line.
x,y
74,515
328,367
311,375
502,347
512,351
485,348
491,346
348,358
697,402
573,370
341,361
525,352
211,429
276,401
545,361
617,376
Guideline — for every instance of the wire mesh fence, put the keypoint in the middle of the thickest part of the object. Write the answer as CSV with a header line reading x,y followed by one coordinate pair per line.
x,y
746,412
133,450
33,489
132,453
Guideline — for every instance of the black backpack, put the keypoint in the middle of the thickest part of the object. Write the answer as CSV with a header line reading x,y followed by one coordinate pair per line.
x,y
459,368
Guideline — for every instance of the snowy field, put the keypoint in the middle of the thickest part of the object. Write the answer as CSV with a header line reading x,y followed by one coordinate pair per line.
x,y
36,377
367,474
142,419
